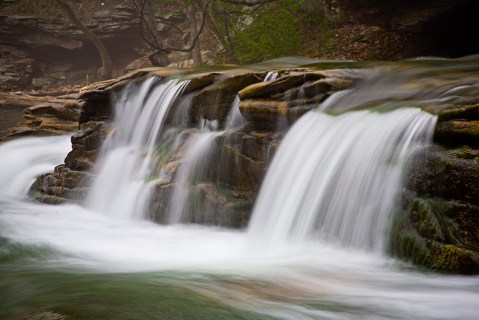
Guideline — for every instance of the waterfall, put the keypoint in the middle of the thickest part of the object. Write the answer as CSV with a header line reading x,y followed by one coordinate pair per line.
x,y
127,156
270,76
338,178
194,163
234,119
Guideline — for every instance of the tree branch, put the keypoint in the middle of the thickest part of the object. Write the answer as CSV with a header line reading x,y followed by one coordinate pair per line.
x,y
106,70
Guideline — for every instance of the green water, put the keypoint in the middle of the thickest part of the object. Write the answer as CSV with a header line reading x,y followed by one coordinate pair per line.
x,y
27,288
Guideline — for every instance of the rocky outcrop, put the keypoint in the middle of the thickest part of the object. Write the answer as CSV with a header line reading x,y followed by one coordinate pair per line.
x,y
438,224
439,227
225,194
281,102
43,115
37,52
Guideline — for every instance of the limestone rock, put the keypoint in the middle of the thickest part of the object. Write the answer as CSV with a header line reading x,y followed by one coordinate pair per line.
x,y
48,119
214,101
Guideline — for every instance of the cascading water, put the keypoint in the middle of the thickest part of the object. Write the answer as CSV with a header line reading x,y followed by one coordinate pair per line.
x,y
338,177
25,159
127,156
194,160
270,76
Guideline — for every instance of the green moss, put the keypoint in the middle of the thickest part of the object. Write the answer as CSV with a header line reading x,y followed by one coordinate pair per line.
x,y
406,243
274,32
464,152
445,257
422,235
423,215
151,177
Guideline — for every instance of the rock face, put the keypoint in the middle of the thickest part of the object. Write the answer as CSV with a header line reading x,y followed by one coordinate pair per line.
x,y
36,52
40,53
439,227
43,115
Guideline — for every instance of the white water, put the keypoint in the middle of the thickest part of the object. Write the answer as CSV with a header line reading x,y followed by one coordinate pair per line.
x,y
24,159
235,118
121,187
195,158
309,279
338,178
290,282
196,161
270,76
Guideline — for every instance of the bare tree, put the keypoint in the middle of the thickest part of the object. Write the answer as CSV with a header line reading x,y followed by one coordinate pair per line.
x,y
216,13
149,34
105,71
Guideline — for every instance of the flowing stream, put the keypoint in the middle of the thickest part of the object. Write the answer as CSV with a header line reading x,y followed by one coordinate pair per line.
x,y
314,248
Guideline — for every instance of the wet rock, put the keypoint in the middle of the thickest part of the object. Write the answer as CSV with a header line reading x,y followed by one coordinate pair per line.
x,y
439,226
278,86
50,118
266,112
437,234
458,112
447,174
214,101
457,132
199,81
276,115
218,206
61,186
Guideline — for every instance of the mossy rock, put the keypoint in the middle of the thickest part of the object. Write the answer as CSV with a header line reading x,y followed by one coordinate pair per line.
x,y
428,234
467,112
423,217
448,174
451,258
457,132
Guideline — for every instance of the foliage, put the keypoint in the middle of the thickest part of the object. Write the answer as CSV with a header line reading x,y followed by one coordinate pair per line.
x,y
271,31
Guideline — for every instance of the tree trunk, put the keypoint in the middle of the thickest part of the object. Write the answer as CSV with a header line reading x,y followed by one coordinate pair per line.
x,y
105,71
196,52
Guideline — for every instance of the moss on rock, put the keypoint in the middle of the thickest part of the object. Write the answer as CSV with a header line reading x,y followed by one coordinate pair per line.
x,y
425,235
